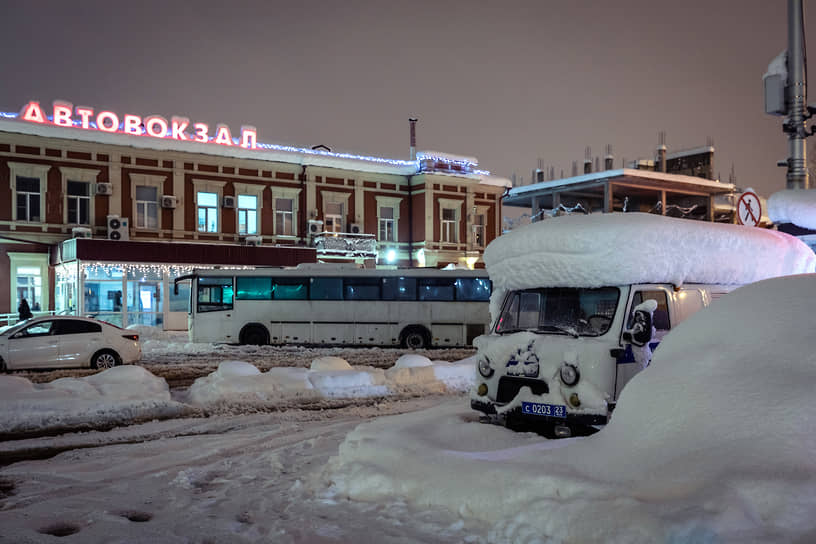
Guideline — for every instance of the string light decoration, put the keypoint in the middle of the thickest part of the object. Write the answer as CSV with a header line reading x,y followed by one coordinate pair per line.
x,y
143,270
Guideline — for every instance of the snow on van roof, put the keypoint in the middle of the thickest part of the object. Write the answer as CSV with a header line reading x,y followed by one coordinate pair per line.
x,y
795,206
622,248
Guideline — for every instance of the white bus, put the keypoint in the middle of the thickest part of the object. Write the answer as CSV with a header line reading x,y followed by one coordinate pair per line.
x,y
333,304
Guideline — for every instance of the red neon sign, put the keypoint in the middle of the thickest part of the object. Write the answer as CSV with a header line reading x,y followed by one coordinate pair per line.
x,y
153,125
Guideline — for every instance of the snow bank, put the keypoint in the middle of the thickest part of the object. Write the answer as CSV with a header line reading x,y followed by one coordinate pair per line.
x,y
792,206
115,396
711,443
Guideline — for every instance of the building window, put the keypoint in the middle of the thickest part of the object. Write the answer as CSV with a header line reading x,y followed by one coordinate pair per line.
x,y
79,203
449,225
247,214
29,280
387,224
333,217
207,211
479,230
147,207
28,199
284,217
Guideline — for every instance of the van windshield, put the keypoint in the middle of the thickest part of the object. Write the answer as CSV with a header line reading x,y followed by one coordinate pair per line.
x,y
559,310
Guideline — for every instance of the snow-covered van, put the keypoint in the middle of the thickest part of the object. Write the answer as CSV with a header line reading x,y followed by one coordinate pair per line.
x,y
580,302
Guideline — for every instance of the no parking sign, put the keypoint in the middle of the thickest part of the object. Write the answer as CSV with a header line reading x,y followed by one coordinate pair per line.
x,y
749,209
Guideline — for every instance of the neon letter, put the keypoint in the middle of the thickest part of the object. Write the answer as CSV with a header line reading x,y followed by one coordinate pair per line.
x,y
62,113
32,112
133,124
201,132
151,123
112,118
180,124
249,137
222,135
85,114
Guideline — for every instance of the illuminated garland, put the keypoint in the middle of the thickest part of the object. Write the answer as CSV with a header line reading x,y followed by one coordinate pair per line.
x,y
145,269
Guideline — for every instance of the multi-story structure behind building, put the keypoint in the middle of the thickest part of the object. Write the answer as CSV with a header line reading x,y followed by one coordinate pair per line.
x,y
97,217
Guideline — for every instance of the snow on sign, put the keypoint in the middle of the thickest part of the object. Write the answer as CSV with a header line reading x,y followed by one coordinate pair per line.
x,y
749,209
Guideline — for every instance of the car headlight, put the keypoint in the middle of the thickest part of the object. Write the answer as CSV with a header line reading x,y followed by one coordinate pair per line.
x,y
569,374
484,367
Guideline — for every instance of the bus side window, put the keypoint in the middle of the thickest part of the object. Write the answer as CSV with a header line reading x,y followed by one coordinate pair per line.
x,y
473,289
436,289
326,289
361,288
253,288
660,319
290,289
399,288
214,294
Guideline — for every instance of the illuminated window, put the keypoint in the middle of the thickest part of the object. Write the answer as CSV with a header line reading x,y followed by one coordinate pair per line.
x,y
147,207
479,230
207,204
247,214
284,217
387,224
334,217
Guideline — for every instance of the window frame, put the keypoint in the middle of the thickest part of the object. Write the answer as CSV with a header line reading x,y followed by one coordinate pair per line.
x,y
28,170
453,224
209,186
87,176
146,180
247,189
285,193
394,204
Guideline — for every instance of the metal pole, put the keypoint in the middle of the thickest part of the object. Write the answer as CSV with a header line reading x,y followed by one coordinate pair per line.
x,y
797,176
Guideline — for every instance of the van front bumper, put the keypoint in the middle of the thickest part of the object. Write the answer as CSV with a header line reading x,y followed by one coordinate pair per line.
x,y
578,419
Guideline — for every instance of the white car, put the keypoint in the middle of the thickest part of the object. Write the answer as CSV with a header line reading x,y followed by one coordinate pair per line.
x,y
66,341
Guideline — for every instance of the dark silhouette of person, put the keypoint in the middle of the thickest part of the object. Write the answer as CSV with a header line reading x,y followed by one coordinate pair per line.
x,y
25,311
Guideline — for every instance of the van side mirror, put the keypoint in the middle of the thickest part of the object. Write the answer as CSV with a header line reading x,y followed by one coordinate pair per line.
x,y
641,332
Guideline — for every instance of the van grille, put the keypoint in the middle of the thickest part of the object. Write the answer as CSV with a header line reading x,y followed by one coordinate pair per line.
x,y
510,386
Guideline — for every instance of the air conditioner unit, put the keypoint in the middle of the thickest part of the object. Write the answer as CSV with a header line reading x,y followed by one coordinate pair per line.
x,y
355,228
229,201
315,227
253,240
168,201
118,228
81,232
104,189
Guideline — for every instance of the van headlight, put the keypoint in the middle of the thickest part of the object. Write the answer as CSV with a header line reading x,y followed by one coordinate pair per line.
x,y
569,374
485,369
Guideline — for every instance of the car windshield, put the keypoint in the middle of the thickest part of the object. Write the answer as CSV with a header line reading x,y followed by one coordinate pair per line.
x,y
559,310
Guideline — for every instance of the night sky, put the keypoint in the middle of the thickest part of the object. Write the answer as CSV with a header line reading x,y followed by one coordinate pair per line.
x,y
506,82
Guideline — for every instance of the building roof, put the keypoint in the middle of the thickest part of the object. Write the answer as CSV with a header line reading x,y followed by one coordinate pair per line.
x,y
522,196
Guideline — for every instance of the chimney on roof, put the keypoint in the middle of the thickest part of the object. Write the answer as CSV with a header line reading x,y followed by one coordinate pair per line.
x,y
661,151
588,160
609,159
413,121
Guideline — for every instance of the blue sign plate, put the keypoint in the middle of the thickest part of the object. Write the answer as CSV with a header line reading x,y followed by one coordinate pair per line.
x,y
541,409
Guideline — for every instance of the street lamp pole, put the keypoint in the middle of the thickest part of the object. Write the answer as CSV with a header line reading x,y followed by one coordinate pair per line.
x,y
796,98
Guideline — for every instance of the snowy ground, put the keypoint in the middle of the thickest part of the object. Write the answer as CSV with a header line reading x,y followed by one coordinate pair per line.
x,y
712,443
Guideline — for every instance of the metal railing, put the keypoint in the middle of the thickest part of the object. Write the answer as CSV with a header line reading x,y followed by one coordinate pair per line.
x,y
11,319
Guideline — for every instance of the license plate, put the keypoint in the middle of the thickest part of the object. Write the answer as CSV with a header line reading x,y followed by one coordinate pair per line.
x,y
541,409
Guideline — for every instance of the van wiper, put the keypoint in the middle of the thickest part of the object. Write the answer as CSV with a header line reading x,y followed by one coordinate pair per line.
x,y
570,331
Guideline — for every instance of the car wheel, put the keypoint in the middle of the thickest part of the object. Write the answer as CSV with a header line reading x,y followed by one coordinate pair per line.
x,y
2,365
415,338
105,359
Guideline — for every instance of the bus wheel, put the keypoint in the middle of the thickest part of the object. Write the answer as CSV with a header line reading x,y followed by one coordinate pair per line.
x,y
415,338
254,335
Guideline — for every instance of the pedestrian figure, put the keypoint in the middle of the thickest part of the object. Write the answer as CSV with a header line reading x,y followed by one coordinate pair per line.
x,y
25,311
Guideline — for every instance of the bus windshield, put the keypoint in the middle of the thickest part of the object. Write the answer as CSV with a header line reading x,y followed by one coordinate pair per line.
x,y
559,310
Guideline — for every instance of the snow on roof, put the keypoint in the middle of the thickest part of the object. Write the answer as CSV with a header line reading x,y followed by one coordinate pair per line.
x,y
793,206
264,152
633,172
623,248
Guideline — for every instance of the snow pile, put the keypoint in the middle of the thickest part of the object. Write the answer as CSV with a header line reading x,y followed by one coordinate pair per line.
x,y
792,206
711,443
119,395
330,377
622,248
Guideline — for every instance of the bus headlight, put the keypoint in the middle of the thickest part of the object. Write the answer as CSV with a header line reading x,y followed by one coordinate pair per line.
x,y
484,367
569,374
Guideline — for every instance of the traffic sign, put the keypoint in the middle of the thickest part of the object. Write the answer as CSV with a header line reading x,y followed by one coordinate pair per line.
x,y
749,209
